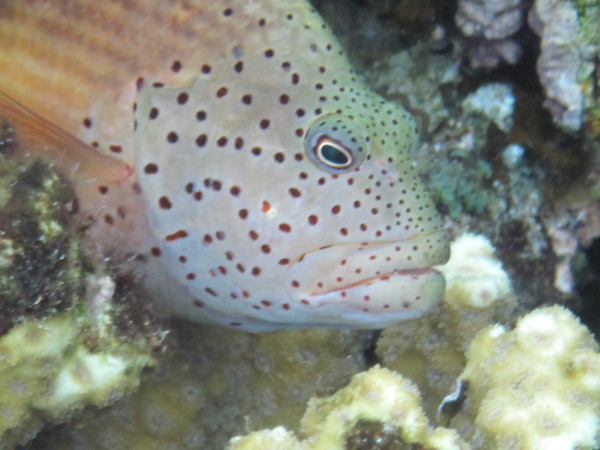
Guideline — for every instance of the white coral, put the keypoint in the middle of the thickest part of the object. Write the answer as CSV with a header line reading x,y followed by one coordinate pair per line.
x,y
474,276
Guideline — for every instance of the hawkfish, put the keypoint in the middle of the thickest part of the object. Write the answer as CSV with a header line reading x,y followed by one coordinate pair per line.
x,y
228,156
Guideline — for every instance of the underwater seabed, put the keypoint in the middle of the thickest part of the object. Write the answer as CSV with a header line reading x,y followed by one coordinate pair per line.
x,y
507,94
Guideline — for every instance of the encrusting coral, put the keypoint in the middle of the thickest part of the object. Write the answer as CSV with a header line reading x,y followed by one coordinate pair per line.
x,y
534,387
490,25
344,419
560,61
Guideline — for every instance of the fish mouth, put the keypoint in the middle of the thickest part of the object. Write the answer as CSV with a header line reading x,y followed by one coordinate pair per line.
x,y
383,277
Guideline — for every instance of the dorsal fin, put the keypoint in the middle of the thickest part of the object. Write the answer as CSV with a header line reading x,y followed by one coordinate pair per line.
x,y
36,137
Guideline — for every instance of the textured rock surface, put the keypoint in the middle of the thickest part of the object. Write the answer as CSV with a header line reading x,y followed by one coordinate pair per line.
x,y
51,368
41,269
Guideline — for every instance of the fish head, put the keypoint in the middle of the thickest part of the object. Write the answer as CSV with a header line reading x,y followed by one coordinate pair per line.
x,y
282,194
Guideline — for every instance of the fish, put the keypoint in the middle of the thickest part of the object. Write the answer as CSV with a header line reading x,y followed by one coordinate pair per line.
x,y
229,157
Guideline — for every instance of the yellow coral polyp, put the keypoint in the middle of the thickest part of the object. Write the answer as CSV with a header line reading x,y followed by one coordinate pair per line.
x,y
537,386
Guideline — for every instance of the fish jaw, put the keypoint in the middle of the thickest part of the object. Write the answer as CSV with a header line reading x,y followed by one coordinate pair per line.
x,y
370,284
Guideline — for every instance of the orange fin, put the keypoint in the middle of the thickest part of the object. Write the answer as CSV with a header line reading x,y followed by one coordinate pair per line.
x,y
36,137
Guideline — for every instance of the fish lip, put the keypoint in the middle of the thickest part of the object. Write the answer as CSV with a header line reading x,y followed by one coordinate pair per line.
x,y
309,266
382,277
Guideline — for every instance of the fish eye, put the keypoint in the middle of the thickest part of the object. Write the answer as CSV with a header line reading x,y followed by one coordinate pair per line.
x,y
332,153
334,143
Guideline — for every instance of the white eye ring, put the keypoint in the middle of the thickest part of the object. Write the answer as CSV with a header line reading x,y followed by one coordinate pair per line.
x,y
336,143
332,153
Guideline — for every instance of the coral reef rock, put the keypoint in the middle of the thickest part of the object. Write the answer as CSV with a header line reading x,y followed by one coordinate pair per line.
x,y
495,101
490,25
557,24
41,268
48,371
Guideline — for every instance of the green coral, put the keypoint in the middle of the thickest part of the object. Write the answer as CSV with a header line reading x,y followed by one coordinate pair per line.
x,y
461,178
458,184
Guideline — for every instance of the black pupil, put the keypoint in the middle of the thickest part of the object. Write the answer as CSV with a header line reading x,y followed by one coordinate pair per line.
x,y
334,155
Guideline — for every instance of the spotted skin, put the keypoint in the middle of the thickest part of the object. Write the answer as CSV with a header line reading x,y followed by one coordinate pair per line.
x,y
271,188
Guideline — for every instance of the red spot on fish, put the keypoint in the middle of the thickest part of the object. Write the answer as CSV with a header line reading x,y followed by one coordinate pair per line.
x,y
180,234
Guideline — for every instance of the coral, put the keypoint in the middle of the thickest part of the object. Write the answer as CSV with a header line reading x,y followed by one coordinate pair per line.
x,y
48,370
214,383
430,350
474,277
460,184
409,75
589,73
461,174
495,101
537,386
41,270
377,409
491,24
274,439
60,344
556,22
376,395
492,19
564,245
